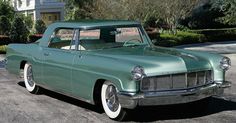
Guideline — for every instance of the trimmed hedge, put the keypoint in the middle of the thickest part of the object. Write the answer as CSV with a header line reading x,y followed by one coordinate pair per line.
x,y
214,35
196,36
180,38
35,37
4,40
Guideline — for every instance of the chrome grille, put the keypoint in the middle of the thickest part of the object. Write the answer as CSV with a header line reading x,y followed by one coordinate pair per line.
x,y
176,81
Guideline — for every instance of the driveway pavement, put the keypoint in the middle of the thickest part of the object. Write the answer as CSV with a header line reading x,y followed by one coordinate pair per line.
x,y
19,106
228,47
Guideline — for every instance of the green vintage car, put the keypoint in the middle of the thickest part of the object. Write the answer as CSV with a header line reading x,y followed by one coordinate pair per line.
x,y
115,64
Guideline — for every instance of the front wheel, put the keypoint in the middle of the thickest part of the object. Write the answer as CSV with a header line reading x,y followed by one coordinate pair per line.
x,y
110,102
28,78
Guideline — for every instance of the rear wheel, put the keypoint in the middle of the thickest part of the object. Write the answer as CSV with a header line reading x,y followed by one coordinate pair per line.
x,y
28,78
110,102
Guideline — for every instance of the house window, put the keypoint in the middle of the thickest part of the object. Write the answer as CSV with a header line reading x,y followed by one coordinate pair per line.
x,y
50,18
19,3
27,2
55,17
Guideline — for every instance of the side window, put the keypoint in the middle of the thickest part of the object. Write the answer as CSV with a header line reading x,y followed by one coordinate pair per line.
x,y
61,39
89,39
126,34
90,34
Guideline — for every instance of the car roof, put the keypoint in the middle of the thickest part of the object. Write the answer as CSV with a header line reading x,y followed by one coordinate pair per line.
x,y
93,23
83,24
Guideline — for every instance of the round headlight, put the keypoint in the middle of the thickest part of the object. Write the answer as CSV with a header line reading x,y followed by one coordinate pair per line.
x,y
225,63
137,73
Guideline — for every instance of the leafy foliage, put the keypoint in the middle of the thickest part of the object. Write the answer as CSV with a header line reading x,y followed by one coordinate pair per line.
x,y
166,12
180,38
5,25
6,9
3,49
40,27
228,7
6,15
213,35
29,22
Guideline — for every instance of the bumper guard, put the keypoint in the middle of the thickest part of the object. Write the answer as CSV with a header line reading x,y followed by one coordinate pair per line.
x,y
131,100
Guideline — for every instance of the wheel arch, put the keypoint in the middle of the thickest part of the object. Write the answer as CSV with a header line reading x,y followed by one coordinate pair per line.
x,y
22,64
97,91
98,86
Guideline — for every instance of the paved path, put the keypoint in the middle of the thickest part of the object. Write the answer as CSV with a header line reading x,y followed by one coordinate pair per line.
x,y
216,47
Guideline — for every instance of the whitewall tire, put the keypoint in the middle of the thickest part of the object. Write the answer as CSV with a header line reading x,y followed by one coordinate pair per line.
x,y
110,102
28,79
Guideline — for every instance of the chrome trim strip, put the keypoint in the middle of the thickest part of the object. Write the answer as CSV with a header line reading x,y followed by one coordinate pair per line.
x,y
196,84
131,100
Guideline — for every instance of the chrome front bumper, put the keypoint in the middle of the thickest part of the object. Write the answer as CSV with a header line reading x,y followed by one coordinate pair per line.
x,y
131,100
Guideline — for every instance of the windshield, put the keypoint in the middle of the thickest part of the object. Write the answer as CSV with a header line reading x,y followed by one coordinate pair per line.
x,y
111,37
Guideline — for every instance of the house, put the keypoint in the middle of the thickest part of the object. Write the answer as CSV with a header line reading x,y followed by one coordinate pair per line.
x,y
46,10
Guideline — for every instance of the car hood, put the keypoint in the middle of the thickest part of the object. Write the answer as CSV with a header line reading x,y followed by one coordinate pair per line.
x,y
156,60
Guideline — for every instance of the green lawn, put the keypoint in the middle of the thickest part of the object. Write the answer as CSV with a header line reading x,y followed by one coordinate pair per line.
x,y
2,49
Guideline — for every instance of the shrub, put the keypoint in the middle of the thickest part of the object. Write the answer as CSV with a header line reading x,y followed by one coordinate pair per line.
x,y
40,27
4,40
189,38
180,38
213,35
5,25
19,31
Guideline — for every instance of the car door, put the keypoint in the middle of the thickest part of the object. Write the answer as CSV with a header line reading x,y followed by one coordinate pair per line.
x,y
58,60
82,77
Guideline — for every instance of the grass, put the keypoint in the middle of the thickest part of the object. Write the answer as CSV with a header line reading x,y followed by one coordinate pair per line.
x,y
3,49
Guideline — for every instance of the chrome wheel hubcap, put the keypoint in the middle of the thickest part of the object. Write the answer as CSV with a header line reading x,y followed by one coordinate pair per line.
x,y
111,98
30,76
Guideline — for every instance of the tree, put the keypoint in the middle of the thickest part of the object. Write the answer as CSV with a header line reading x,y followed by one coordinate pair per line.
x,y
5,25
19,32
175,10
78,9
6,9
204,17
228,7
6,15
40,27
166,11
